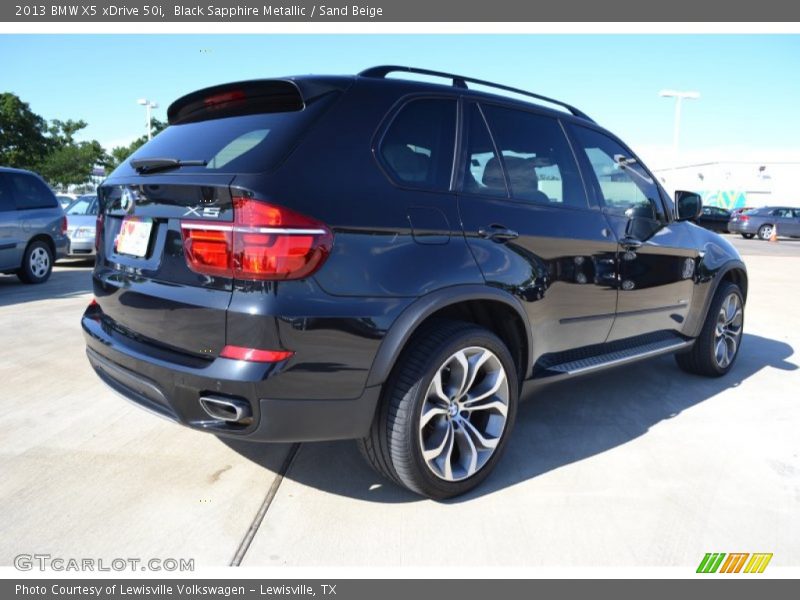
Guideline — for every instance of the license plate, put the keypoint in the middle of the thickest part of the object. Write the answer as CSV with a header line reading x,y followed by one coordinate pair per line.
x,y
134,236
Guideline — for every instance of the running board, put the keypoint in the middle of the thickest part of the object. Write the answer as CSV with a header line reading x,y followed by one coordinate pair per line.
x,y
620,357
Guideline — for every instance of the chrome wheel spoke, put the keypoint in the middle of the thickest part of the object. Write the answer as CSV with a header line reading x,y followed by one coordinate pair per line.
x,y
459,374
476,361
494,405
468,452
446,434
431,411
485,443
436,388
491,387
721,353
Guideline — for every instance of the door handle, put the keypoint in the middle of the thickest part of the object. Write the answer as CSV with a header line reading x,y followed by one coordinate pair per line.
x,y
498,233
630,244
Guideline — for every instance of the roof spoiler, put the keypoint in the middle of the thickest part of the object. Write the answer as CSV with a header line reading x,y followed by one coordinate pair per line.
x,y
249,97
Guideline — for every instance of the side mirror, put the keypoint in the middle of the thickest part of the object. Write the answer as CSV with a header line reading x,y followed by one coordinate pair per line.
x,y
688,205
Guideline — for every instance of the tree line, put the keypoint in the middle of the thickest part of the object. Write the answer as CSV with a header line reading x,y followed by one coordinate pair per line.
x,y
29,141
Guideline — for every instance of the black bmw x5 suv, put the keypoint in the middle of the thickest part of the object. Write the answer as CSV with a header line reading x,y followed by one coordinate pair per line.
x,y
392,261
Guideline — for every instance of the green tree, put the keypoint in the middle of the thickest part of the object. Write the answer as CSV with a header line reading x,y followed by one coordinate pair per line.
x,y
23,139
69,162
120,154
72,164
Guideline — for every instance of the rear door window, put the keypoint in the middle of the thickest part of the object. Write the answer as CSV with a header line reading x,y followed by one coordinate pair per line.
x,y
535,156
30,192
6,196
417,148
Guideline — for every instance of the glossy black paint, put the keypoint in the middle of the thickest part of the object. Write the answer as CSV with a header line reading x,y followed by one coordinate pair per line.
x,y
400,257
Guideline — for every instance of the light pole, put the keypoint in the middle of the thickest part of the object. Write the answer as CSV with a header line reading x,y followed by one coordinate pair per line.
x,y
149,105
679,97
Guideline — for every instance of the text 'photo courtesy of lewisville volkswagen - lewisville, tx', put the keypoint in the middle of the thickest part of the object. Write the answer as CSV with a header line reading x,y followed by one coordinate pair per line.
x,y
340,307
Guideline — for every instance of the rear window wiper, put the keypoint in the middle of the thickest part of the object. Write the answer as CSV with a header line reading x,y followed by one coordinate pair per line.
x,y
151,165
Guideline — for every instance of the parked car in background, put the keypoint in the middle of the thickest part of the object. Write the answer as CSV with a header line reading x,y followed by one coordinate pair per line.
x,y
32,226
81,221
714,218
762,222
66,199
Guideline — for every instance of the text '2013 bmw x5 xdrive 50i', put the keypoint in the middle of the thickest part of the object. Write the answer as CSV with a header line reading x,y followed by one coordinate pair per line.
x,y
397,262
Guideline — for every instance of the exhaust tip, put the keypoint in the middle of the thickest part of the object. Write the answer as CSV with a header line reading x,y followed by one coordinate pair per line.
x,y
228,410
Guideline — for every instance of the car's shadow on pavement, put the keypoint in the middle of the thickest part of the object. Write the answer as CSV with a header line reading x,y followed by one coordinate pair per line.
x,y
74,279
558,425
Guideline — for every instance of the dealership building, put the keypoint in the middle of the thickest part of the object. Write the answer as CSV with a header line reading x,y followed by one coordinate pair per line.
x,y
737,184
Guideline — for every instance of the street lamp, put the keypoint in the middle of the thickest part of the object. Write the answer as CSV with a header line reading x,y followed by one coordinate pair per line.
x,y
679,97
149,105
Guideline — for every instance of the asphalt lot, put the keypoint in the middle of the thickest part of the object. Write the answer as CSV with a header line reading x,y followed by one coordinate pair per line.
x,y
644,466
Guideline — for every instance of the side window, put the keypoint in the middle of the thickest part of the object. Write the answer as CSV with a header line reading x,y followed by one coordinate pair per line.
x,y
484,170
418,147
29,192
623,185
6,197
537,158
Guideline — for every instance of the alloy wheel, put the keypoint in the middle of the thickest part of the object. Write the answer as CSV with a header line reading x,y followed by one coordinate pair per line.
x,y
39,262
728,331
464,414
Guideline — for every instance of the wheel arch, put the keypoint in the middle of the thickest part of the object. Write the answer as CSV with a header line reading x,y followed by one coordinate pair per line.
x,y
495,309
733,271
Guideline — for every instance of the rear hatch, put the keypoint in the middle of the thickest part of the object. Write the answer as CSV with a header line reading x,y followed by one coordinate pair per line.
x,y
165,274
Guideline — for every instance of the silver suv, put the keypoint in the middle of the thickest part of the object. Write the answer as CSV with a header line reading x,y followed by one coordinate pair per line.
x,y
33,226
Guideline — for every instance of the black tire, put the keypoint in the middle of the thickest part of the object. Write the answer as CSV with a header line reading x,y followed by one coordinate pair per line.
x,y
703,359
37,263
765,231
748,236
394,445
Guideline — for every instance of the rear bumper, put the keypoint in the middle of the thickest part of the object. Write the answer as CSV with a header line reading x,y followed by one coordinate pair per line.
x,y
172,386
742,227
81,247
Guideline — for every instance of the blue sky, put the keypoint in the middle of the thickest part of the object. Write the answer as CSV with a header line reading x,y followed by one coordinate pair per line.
x,y
749,83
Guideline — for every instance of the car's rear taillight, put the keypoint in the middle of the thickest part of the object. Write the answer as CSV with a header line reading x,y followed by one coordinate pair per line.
x,y
208,248
63,225
744,218
264,242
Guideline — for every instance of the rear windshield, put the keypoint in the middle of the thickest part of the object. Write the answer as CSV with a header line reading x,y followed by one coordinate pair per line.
x,y
85,205
241,144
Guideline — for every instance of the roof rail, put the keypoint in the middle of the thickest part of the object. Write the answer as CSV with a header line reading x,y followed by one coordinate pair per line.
x,y
459,81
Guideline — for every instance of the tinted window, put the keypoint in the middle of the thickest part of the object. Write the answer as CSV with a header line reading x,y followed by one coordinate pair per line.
x,y
6,199
623,185
782,212
29,192
418,147
241,144
535,156
484,171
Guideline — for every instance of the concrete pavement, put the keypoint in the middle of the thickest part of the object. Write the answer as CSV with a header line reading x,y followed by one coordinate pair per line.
x,y
640,466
